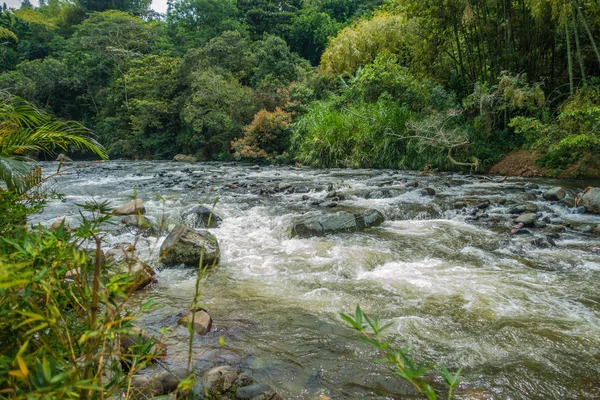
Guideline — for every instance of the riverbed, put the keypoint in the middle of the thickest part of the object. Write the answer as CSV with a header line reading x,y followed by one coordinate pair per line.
x,y
519,312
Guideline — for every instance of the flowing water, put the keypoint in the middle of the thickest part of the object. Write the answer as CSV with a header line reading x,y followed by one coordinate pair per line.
x,y
521,319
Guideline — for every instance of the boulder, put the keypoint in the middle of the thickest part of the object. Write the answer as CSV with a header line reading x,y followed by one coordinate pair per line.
x,y
63,158
554,194
220,379
134,207
199,217
336,223
185,158
428,192
143,274
591,200
146,386
597,230
200,320
137,341
186,246
527,219
60,222
168,380
524,208
144,225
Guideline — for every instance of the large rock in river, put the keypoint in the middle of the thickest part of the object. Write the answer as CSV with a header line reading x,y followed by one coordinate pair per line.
x,y
134,207
591,200
185,158
201,217
555,194
335,223
186,246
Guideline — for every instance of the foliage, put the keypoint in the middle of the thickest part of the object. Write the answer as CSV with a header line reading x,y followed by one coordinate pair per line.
x,y
25,129
360,44
400,359
265,138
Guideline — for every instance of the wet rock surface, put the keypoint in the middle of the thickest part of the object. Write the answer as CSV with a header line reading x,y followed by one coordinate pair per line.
x,y
189,247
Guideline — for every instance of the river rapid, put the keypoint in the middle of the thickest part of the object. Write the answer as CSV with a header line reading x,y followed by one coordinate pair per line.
x,y
520,313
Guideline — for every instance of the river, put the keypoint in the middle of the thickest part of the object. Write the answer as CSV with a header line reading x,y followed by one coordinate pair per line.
x,y
520,318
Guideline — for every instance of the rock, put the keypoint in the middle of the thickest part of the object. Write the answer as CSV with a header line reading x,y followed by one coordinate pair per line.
x,y
591,200
336,223
527,219
145,225
428,192
531,186
199,216
63,158
201,321
483,205
185,158
412,184
139,342
459,204
554,194
143,274
185,246
60,222
301,189
597,230
169,381
543,243
584,228
218,380
524,208
284,186
131,208
144,386
252,391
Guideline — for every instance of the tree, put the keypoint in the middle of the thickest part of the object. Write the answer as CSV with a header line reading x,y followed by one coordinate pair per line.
x,y
275,61
309,33
136,7
217,108
268,16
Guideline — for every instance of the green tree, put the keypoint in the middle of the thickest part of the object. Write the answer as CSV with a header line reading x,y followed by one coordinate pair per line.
x,y
217,108
309,33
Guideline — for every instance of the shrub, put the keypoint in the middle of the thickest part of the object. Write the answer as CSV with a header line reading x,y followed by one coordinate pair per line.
x,y
266,137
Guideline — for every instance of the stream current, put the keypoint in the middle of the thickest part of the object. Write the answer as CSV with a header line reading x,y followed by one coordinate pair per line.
x,y
521,319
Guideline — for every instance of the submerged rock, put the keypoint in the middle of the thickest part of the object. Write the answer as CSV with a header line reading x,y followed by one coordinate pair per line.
x,y
524,208
591,200
554,194
220,379
186,246
336,223
132,207
201,217
253,391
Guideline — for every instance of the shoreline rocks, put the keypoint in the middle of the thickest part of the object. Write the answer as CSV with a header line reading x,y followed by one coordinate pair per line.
x,y
591,200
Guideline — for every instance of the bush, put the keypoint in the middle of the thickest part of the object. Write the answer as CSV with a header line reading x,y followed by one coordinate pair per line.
x,y
266,138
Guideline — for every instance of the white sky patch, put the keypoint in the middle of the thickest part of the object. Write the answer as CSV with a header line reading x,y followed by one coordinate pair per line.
x,y
157,5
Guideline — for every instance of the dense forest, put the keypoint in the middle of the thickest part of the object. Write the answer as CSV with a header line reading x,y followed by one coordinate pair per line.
x,y
345,83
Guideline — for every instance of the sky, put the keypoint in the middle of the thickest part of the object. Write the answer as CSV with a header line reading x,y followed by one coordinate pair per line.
x,y
157,5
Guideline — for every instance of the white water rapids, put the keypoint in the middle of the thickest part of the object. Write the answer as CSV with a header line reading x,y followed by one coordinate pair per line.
x,y
522,321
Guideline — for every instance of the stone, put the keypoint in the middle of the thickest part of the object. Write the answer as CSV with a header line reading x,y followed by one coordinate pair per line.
x,y
527,219
459,204
555,194
136,340
58,223
531,186
220,379
186,246
143,274
428,192
252,391
412,184
169,381
524,208
336,223
591,200
301,189
584,228
200,320
483,205
132,207
185,158
62,157
597,230
144,386
201,217
144,225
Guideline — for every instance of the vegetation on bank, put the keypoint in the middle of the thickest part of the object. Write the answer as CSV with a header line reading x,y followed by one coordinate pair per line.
x,y
371,83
